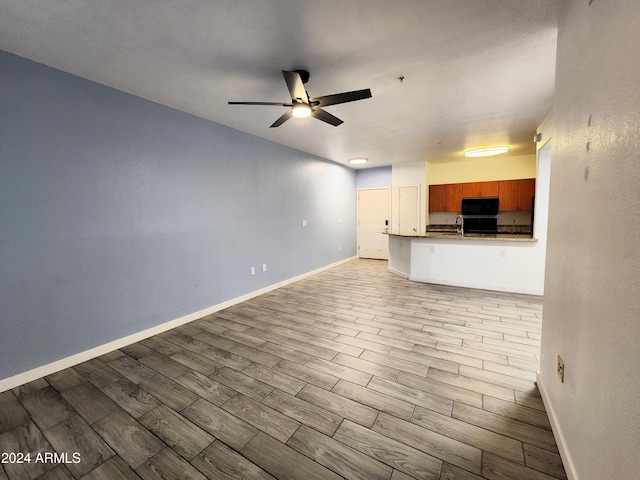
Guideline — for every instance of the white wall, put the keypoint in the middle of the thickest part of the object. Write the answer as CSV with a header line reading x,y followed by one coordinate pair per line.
x,y
407,175
490,265
592,287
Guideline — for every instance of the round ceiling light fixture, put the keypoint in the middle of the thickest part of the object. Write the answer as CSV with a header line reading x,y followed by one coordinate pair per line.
x,y
301,110
486,152
358,161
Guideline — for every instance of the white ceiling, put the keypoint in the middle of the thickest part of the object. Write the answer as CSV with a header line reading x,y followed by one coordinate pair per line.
x,y
477,72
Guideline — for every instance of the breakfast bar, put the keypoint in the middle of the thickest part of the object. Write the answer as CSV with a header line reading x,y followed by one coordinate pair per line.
x,y
501,261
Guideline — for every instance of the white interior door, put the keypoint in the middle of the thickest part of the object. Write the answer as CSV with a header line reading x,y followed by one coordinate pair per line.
x,y
408,210
373,220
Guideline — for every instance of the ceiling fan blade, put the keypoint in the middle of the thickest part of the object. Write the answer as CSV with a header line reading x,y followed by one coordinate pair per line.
x,y
341,98
283,118
261,103
295,86
326,117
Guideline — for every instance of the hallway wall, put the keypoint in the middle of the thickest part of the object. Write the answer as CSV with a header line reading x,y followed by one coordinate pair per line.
x,y
592,306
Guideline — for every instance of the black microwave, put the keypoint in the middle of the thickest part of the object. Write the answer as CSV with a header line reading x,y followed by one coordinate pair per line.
x,y
480,206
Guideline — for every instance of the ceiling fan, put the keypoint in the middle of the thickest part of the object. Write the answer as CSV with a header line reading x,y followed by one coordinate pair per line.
x,y
303,106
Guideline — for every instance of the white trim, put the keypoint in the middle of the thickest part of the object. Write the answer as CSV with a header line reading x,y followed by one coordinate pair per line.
x,y
478,286
557,431
399,273
50,368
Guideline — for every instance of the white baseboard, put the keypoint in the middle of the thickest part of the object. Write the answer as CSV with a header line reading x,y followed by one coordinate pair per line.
x,y
557,431
399,273
50,368
478,286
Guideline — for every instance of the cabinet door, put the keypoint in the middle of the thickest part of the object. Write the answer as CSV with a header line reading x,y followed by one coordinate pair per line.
x,y
471,190
437,198
508,194
489,189
454,197
480,189
526,190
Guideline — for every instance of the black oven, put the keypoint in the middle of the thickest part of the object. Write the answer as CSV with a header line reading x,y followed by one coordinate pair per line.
x,y
481,225
480,206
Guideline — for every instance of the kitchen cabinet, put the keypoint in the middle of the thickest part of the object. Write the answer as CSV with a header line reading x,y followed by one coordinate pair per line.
x,y
514,195
526,190
445,198
508,191
454,197
437,198
479,189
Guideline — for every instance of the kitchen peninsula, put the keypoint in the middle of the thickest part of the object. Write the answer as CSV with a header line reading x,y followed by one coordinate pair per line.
x,y
502,261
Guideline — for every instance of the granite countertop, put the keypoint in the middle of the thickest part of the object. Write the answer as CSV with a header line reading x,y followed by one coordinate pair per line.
x,y
516,233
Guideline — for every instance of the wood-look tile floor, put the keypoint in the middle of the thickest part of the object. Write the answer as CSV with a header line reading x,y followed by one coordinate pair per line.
x,y
353,373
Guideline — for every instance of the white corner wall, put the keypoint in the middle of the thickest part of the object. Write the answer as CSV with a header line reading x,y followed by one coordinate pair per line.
x,y
592,285
409,175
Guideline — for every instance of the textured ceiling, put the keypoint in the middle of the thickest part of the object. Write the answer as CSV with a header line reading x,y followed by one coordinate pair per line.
x,y
477,72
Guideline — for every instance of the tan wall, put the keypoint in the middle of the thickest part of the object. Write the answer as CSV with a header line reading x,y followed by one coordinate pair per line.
x,y
482,169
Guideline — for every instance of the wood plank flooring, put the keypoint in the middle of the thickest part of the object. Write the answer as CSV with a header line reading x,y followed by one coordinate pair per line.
x,y
352,373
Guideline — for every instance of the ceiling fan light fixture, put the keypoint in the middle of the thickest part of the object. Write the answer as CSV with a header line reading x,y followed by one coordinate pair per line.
x,y
358,161
486,152
301,110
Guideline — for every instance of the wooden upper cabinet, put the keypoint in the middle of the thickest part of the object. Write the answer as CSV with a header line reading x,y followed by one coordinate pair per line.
x,y
513,194
437,198
454,198
479,189
526,191
508,194
471,190
445,198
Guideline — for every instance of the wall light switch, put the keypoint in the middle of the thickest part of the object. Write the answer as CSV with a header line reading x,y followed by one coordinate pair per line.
x,y
253,270
304,223
264,267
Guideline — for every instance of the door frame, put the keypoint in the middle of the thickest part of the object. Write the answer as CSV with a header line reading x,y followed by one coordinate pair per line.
x,y
389,211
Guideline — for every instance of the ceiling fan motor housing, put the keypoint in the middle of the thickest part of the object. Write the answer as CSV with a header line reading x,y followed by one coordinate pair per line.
x,y
304,75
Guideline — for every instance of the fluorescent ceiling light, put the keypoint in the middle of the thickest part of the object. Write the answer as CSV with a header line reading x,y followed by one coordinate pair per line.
x,y
358,161
486,152
301,110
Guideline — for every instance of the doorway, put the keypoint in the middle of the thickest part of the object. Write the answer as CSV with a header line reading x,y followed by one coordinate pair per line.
x,y
374,209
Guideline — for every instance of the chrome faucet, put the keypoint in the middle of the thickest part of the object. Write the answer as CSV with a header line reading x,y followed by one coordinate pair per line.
x,y
461,224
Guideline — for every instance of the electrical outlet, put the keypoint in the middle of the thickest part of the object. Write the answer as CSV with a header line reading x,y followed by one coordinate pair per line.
x,y
304,224
339,248
561,369
503,252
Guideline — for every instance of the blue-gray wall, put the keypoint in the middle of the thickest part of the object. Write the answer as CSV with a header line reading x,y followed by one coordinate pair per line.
x,y
118,214
373,177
